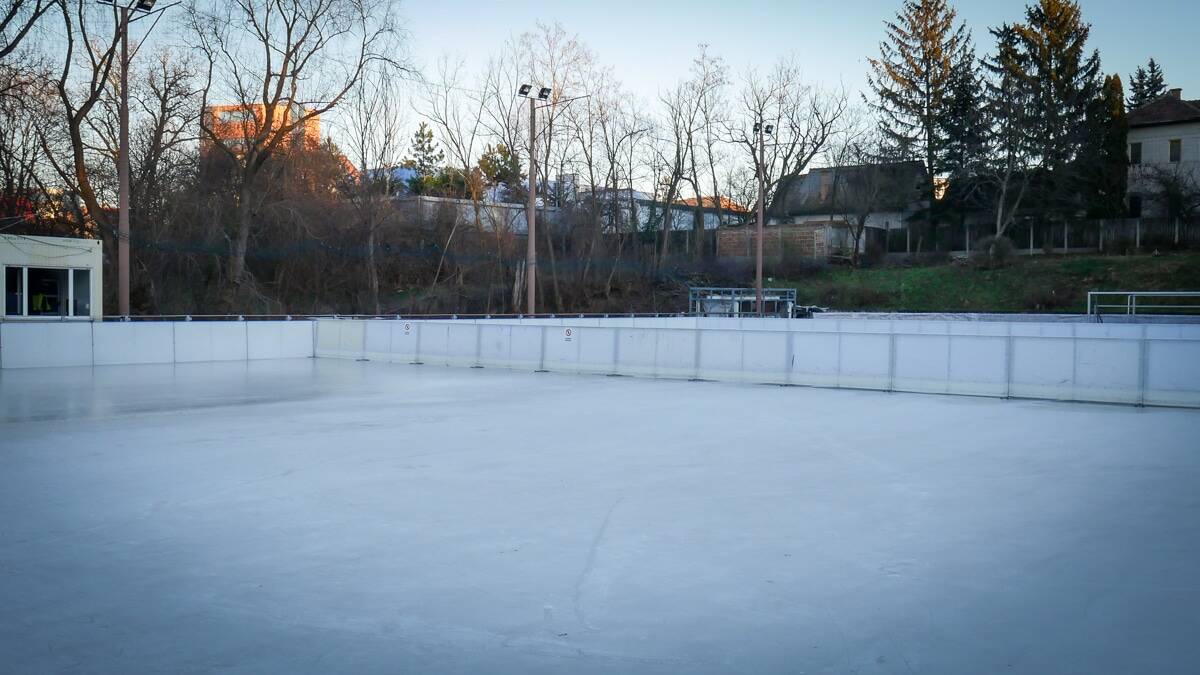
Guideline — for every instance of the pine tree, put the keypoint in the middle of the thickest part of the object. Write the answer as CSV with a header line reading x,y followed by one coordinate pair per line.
x,y
1009,96
427,158
1145,85
911,81
963,128
1103,163
1054,40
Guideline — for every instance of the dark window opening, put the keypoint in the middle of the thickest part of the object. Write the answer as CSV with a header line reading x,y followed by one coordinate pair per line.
x,y
83,293
1135,153
1135,206
48,292
1176,150
14,291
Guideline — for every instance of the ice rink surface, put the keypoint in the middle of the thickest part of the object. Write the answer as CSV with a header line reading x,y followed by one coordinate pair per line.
x,y
321,516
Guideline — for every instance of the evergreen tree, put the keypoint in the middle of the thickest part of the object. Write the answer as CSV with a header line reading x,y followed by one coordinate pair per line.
x,y
1104,166
1145,85
1054,40
427,159
963,128
912,79
1009,97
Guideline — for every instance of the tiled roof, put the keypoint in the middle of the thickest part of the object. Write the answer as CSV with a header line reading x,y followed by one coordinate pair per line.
x,y
1165,110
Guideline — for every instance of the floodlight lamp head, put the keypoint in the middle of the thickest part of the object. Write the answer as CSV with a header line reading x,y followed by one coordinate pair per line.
x,y
144,5
757,127
544,93
770,129
524,90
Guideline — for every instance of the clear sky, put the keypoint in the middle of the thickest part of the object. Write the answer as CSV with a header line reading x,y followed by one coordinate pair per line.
x,y
650,43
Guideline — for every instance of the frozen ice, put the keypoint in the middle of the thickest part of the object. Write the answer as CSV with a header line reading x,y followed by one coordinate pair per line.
x,y
316,516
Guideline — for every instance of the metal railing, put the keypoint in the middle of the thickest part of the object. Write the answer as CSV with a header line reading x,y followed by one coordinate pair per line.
x,y
388,317
1129,301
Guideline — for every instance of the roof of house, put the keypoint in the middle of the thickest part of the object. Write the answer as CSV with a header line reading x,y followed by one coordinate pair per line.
x,y
803,194
1170,108
725,203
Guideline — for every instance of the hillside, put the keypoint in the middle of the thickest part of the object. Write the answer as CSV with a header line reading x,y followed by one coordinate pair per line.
x,y
1035,284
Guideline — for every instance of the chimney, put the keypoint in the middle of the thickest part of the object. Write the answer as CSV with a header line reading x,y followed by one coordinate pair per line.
x,y
1176,93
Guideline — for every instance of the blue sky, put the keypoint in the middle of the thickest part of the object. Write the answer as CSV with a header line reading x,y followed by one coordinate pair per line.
x,y
650,43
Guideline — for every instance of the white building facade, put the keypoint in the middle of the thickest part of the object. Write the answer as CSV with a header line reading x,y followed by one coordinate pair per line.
x,y
1164,150
51,278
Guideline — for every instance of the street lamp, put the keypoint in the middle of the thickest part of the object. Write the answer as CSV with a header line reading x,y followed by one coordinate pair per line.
x,y
531,203
760,130
128,12
525,91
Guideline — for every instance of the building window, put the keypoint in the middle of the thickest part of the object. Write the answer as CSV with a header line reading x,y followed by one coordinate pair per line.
x,y
1176,150
1135,206
1135,153
14,291
41,291
81,293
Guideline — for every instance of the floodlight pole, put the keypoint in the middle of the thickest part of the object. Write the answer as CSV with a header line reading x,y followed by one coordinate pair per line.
x,y
531,217
762,194
123,173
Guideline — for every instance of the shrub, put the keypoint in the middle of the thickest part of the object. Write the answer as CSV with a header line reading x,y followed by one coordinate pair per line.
x,y
993,252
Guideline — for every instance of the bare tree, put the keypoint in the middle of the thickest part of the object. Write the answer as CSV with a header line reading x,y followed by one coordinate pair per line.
x,y
78,94
375,137
803,117
708,84
283,64
17,18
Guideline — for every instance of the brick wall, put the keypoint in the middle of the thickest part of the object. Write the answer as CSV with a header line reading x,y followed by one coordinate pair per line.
x,y
806,240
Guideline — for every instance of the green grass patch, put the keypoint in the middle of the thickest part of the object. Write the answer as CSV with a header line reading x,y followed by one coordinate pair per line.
x,y
1030,284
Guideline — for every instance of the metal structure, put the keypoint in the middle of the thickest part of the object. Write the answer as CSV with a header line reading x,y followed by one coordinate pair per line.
x,y
126,13
712,301
1129,301
760,299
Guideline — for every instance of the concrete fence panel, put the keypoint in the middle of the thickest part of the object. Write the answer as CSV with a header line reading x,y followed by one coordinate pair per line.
x,y
211,341
674,352
462,345
44,344
597,350
525,348
130,343
765,356
279,339
1172,375
815,358
637,352
720,354
495,346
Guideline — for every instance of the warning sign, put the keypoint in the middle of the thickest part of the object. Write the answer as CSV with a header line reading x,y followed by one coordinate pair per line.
x,y
407,328
567,334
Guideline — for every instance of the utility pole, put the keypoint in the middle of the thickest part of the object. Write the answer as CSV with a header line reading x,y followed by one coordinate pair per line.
x,y
543,94
760,160
123,172
126,11
531,217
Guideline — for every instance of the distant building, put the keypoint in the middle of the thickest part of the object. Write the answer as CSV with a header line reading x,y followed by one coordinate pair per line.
x,y
233,124
723,203
1164,146
812,213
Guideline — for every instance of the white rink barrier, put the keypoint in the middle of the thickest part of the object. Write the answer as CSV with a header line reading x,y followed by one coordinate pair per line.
x,y
36,344
1151,364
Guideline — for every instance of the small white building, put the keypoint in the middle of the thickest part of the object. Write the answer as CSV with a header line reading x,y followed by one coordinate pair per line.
x,y
1164,149
51,277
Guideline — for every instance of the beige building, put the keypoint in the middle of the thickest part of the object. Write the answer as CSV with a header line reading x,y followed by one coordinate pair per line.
x,y
51,277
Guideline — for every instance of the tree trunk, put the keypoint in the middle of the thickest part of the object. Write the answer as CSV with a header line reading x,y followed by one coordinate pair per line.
x,y
372,270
